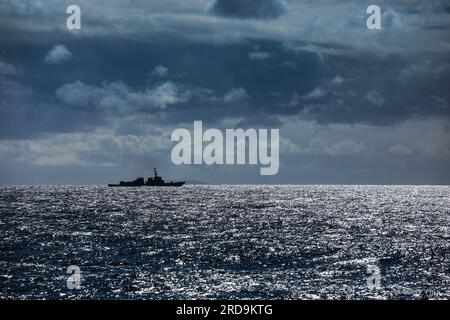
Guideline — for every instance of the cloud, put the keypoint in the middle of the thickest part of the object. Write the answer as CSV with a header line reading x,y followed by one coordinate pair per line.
x,y
236,96
259,9
167,94
7,69
118,97
424,68
334,91
161,71
78,93
318,146
375,98
400,150
415,137
101,148
324,89
26,7
259,55
58,54
338,80
336,27
318,92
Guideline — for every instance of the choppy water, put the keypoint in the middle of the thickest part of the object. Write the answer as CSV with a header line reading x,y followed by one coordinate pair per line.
x,y
285,242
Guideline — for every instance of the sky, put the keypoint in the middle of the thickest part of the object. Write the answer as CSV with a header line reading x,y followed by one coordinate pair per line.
x,y
98,105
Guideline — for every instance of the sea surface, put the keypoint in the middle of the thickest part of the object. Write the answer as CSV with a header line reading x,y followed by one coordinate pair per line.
x,y
226,242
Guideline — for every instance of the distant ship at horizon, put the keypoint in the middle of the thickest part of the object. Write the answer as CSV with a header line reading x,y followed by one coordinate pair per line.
x,y
156,181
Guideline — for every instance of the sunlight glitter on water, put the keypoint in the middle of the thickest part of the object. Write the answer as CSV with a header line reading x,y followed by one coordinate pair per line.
x,y
229,242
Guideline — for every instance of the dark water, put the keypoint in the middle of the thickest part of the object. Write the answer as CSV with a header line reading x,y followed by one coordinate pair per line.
x,y
288,242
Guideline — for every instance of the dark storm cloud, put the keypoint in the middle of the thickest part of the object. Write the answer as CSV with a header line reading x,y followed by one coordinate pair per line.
x,y
260,9
370,90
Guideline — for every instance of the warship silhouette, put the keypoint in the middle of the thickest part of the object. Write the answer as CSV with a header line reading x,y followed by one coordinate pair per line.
x,y
156,181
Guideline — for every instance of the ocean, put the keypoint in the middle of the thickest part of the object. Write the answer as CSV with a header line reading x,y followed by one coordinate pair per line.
x,y
225,242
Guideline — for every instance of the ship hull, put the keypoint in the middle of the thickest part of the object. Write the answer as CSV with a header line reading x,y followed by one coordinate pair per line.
x,y
168,184
156,181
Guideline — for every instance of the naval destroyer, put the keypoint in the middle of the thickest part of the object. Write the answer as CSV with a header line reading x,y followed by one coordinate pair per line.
x,y
156,181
